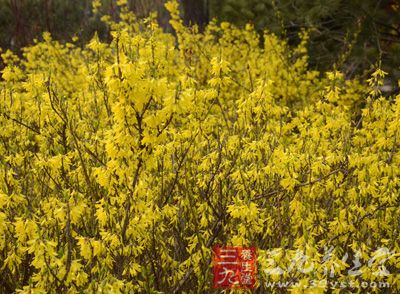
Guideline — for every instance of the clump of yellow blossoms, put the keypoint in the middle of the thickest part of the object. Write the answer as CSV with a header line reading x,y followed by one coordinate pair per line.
x,y
122,163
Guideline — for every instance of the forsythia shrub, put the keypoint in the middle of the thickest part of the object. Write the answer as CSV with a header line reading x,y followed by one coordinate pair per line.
x,y
121,164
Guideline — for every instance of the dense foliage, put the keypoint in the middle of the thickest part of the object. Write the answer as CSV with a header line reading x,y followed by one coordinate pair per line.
x,y
122,163
349,34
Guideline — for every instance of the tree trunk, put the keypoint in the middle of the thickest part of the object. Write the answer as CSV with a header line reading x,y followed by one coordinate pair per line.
x,y
196,12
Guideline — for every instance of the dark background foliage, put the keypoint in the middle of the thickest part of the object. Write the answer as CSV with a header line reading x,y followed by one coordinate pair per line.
x,y
347,35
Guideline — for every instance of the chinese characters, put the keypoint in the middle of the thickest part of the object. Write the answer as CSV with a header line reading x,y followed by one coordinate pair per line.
x,y
234,267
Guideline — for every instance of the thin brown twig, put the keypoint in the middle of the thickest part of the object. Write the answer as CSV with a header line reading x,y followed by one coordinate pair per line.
x,y
298,185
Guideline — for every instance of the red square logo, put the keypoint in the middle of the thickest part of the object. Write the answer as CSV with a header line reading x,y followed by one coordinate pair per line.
x,y
234,267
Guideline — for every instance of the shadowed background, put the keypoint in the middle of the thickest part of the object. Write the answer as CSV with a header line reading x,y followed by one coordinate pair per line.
x,y
348,35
